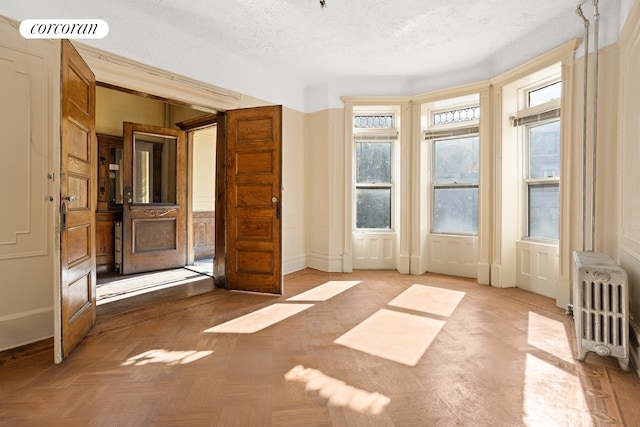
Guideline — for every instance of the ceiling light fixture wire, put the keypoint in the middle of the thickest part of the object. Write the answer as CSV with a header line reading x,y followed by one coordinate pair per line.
x,y
323,4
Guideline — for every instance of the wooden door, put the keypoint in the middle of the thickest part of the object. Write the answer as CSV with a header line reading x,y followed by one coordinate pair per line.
x,y
77,216
154,212
254,182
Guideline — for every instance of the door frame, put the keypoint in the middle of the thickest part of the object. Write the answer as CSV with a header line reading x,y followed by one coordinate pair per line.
x,y
114,71
190,126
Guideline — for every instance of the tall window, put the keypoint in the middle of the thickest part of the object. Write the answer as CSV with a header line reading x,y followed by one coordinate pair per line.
x,y
453,137
455,184
542,182
540,121
375,135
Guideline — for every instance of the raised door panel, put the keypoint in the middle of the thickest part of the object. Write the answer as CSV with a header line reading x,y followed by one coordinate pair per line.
x,y
78,169
254,158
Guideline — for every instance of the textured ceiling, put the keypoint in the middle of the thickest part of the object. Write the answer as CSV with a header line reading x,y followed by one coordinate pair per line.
x,y
278,49
372,37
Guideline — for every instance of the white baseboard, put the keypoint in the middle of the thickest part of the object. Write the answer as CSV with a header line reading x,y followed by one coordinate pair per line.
x,y
484,273
25,327
563,292
404,264
417,266
329,264
294,264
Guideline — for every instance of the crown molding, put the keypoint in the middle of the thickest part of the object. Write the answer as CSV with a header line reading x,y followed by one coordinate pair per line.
x,y
115,70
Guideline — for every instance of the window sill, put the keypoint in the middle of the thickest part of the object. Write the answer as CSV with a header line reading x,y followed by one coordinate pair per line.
x,y
373,231
539,242
450,234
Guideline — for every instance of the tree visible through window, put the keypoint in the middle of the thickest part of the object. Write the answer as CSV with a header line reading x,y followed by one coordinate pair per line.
x,y
373,184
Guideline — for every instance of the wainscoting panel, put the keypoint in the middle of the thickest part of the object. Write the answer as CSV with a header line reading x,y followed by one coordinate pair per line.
x,y
374,251
454,255
29,185
203,234
537,268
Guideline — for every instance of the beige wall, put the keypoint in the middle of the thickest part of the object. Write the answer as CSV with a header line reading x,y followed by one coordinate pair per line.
x,y
294,176
325,189
115,107
628,229
29,186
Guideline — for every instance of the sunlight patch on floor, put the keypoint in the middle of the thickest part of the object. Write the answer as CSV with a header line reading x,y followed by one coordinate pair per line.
x,y
260,319
395,336
549,391
167,357
550,336
325,291
429,299
129,286
338,392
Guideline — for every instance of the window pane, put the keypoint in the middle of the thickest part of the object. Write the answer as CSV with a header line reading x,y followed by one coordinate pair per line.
x,y
456,160
154,169
544,211
373,162
545,94
455,210
544,150
373,208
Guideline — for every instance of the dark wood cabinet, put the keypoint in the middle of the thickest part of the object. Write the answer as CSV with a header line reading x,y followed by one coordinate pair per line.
x,y
110,193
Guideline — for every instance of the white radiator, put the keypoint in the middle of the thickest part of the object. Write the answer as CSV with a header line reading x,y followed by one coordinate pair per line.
x,y
117,241
601,307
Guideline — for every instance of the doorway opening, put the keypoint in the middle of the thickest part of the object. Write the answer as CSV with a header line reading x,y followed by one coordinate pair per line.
x,y
194,275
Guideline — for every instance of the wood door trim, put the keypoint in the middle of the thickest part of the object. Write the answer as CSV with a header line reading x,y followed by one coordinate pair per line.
x,y
198,122
220,250
190,126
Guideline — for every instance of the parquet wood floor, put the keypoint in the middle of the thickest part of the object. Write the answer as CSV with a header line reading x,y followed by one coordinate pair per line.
x,y
503,357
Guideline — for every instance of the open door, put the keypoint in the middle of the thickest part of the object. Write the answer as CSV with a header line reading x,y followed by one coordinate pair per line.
x,y
254,183
77,215
154,212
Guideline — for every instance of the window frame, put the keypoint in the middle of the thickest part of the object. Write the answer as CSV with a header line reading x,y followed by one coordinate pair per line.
x,y
375,135
528,182
469,130
528,117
